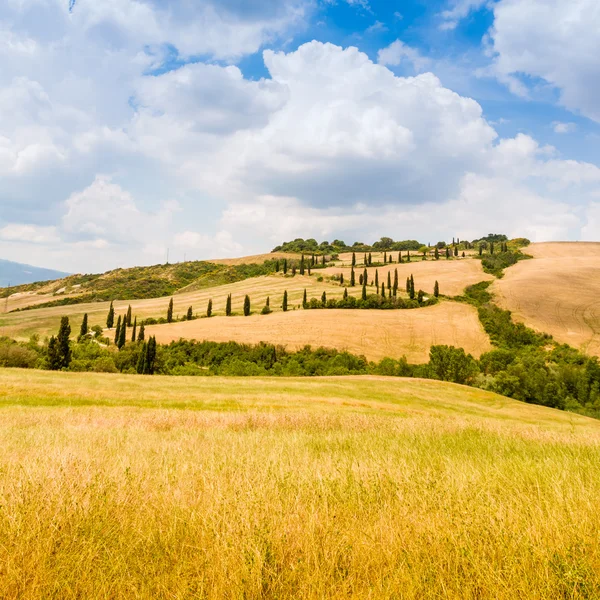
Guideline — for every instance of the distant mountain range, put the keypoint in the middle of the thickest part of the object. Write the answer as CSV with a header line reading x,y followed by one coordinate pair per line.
x,y
12,273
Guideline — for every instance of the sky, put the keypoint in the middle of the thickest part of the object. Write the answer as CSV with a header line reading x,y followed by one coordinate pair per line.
x,y
214,128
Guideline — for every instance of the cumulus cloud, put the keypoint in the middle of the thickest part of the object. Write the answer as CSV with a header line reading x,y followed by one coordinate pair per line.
x,y
398,52
563,127
554,41
458,10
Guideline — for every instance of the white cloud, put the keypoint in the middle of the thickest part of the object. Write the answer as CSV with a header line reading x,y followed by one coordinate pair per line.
x,y
554,41
459,9
30,234
560,127
398,52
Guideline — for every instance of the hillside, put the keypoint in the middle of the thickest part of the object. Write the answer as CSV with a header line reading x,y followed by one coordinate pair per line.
x,y
15,274
558,292
288,488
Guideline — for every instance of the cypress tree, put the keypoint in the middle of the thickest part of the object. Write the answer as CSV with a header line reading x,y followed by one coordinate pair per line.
x,y
110,318
284,305
353,259
246,305
365,259
304,299
170,311
341,279
361,279
141,363
190,314
395,282
276,266
53,356
447,253
302,265
285,266
352,278
128,318
150,356
228,306
364,291
209,309
376,278
383,289
118,330
480,249
268,302
408,256
455,250
84,327
389,281
491,247
399,257
122,333
412,287
345,293
366,277
436,253
308,270
370,259
436,289
324,298
64,343
134,332
408,285
142,335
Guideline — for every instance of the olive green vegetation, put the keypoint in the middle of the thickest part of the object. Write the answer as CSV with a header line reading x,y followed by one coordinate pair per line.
x,y
116,486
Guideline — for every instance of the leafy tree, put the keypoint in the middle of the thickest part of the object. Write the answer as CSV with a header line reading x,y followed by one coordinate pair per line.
x,y
228,306
209,308
134,332
420,296
304,299
284,305
190,314
128,317
84,327
122,334
352,278
142,335
118,330
110,319
64,343
170,311
246,305
436,289
353,259
54,362
447,363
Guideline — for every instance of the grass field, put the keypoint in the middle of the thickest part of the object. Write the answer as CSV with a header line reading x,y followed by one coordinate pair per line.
x,y
558,292
133,487
376,334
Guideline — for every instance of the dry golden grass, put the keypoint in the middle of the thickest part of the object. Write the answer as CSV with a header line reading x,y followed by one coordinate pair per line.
x,y
453,276
277,488
254,259
558,292
373,333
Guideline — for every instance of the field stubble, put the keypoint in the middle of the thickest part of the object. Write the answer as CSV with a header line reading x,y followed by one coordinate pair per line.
x,y
329,488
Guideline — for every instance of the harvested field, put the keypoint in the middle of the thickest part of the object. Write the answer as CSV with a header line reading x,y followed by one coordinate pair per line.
x,y
373,333
453,275
254,259
558,292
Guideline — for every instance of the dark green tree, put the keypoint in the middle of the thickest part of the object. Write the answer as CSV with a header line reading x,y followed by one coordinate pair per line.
x,y
170,311
352,278
284,305
353,259
364,291
128,317
302,265
366,277
276,266
304,299
134,332
365,260
150,356
141,363
118,330
389,281
268,302
122,334
64,343
285,266
436,289
228,306
84,327
399,257
323,260
491,247
480,249
420,296
455,250
341,279
408,285
408,256
345,293
209,308
293,270
383,289
395,282
412,288
53,354
376,278
370,259
436,253
324,298
247,306
110,319
142,335
190,314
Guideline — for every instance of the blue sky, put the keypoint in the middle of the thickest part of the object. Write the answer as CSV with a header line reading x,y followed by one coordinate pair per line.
x,y
223,127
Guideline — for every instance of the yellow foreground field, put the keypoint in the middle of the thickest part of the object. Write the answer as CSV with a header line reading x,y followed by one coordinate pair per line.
x,y
376,334
138,487
558,292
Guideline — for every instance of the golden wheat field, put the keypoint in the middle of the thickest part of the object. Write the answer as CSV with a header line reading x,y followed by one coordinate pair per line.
x,y
376,334
117,486
557,292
